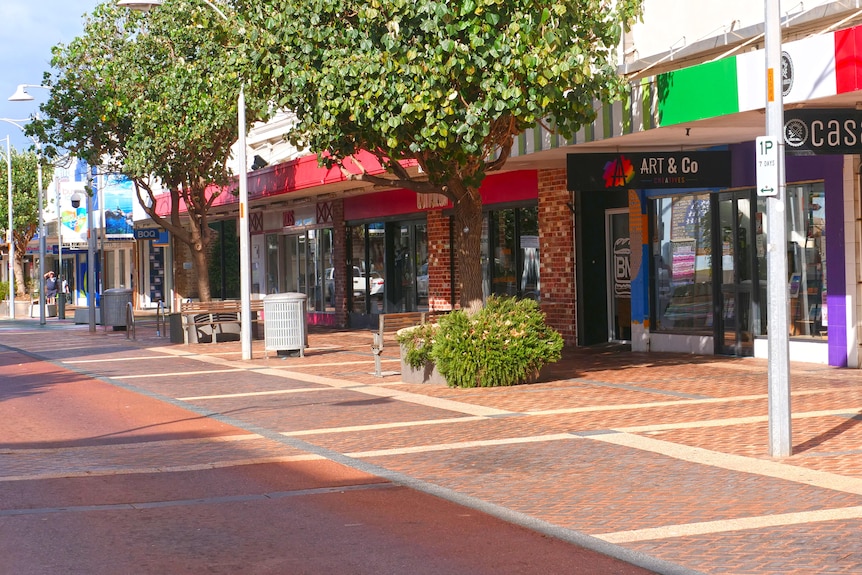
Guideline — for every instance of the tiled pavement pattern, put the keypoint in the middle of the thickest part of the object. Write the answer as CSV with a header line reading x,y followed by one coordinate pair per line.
x,y
661,454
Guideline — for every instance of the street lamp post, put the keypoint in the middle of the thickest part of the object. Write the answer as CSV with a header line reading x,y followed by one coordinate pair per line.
x,y
41,223
21,95
244,249
10,239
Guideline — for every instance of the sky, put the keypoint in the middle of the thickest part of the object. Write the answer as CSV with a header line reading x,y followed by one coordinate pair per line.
x,y
28,31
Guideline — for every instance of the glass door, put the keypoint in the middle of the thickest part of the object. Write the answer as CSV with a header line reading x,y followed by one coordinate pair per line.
x,y
739,298
619,272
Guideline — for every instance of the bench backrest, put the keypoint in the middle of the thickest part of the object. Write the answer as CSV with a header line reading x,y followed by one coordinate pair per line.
x,y
232,306
391,322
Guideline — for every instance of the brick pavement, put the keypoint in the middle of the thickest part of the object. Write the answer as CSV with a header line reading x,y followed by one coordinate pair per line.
x,y
663,455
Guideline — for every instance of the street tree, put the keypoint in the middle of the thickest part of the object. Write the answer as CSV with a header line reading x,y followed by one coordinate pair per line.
x,y
153,96
445,85
25,211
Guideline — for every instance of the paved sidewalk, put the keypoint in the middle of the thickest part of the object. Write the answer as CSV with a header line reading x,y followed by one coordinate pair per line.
x,y
659,459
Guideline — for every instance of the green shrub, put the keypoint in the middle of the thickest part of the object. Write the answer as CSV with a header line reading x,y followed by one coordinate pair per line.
x,y
417,343
505,343
4,291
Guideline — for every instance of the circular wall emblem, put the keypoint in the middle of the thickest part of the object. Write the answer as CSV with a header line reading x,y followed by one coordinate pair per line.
x,y
786,73
795,133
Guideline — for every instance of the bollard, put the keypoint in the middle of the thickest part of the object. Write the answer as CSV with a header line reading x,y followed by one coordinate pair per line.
x,y
375,349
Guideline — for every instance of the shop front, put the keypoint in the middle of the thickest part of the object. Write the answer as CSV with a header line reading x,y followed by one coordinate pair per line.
x,y
696,275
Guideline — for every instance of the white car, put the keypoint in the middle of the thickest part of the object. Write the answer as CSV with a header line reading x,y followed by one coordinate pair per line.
x,y
375,281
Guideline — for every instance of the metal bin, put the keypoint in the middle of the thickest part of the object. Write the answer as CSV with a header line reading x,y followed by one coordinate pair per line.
x,y
114,303
285,323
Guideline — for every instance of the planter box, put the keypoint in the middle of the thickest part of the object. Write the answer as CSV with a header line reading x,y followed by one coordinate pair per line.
x,y
25,309
22,308
426,374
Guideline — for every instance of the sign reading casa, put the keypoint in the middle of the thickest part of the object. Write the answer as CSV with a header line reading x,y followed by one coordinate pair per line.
x,y
596,172
823,131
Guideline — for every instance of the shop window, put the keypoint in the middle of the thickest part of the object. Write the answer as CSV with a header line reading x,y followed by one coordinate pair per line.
x,y
307,267
389,267
806,260
683,263
272,263
510,248
224,261
683,266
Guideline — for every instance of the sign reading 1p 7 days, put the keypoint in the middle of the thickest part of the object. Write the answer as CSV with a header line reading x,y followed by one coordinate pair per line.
x,y
766,162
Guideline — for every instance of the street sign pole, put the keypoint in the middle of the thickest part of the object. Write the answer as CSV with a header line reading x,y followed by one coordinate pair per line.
x,y
771,184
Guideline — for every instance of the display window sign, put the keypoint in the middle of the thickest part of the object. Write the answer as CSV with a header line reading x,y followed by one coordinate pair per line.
x,y
823,131
657,170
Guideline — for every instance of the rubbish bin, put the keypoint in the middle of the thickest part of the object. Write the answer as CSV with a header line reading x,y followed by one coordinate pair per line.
x,y
114,303
285,323
175,322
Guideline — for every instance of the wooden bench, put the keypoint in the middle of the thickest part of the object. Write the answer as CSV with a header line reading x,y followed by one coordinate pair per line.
x,y
212,319
389,323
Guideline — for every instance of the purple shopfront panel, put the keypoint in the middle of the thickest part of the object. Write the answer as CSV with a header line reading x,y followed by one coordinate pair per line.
x,y
830,169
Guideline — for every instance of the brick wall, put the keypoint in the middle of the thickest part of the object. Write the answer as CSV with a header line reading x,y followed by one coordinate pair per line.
x,y
557,266
440,277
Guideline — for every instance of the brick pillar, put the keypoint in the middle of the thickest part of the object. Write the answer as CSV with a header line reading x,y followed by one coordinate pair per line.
x,y
440,280
556,252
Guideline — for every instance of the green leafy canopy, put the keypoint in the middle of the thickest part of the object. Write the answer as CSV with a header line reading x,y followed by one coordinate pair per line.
x,y
446,83
153,96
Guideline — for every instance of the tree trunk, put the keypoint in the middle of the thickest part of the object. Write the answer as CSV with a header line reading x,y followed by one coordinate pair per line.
x,y
468,242
20,280
201,263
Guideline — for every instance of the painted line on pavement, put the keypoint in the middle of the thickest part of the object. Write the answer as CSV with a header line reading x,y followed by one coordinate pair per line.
x,y
177,373
253,393
727,525
116,359
726,422
461,445
377,426
742,464
730,399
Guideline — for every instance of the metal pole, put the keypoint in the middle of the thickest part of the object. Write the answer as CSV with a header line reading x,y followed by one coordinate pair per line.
x,y
780,443
244,247
91,255
42,249
61,297
11,237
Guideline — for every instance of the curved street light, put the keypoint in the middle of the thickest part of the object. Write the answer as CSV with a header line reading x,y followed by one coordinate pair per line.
x,y
21,95
41,224
244,249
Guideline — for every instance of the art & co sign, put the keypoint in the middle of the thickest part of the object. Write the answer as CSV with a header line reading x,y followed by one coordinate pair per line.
x,y
597,172
823,131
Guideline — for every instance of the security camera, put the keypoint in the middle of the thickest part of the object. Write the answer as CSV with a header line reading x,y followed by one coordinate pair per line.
x,y
76,200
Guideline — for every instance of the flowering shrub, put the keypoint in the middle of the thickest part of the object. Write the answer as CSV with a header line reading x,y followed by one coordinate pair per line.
x,y
505,343
416,343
